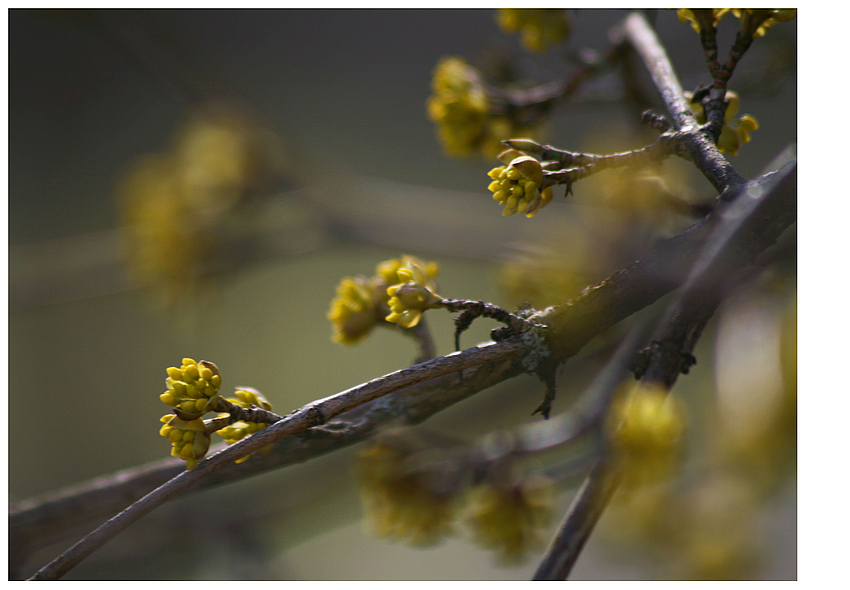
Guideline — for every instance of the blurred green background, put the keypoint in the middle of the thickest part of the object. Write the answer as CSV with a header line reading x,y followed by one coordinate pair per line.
x,y
364,180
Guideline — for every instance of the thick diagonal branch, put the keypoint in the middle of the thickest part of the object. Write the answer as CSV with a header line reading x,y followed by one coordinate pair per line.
x,y
570,326
686,316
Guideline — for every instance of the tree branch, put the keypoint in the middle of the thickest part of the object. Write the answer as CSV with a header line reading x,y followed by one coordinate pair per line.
x,y
703,152
568,327
684,321
312,414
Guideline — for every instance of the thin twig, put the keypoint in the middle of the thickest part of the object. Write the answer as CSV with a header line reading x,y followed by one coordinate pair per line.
x,y
595,493
540,99
705,154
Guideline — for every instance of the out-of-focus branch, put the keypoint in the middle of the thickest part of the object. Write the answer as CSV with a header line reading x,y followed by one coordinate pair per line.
x,y
537,101
683,323
568,327
664,366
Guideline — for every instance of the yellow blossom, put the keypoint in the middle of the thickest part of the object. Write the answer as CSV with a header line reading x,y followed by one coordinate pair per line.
x,y
647,429
189,439
516,186
461,109
411,297
510,518
400,497
192,388
246,397
355,310
539,28
361,303
180,207
771,16
458,106
698,16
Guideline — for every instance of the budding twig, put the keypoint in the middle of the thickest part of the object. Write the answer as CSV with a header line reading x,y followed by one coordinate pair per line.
x,y
697,146
683,322
313,414
571,326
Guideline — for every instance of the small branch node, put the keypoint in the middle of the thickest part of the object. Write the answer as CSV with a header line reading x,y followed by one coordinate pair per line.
x,y
655,121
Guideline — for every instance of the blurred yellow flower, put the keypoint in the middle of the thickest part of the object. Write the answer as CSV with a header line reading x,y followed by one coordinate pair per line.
x,y
696,17
355,310
539,28
458,106
771,16
179,207
461,109
509,518
647,428
401,497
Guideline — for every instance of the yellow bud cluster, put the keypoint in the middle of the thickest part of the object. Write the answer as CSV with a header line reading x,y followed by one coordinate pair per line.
x,y
361,303
458,106
189,439
697,17
398,499
411,489
412,296
736,130
771,16
179,207
647,429
539,28
192,388
388,270
754,21
354,311
247,397
239,430
510,519
517,187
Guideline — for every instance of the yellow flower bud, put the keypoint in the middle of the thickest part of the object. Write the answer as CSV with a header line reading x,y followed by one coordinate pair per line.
x,y
409,299
508,156
517,185
539,28
529,168
191,372
647,428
